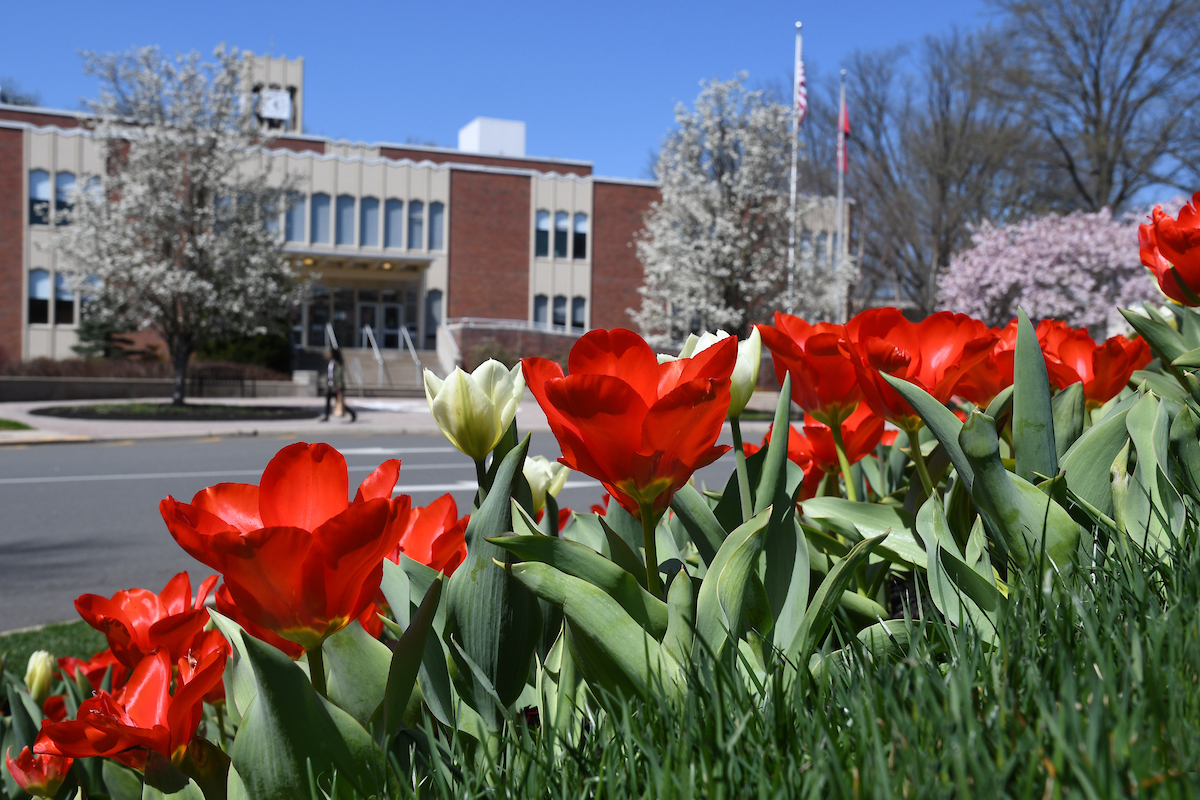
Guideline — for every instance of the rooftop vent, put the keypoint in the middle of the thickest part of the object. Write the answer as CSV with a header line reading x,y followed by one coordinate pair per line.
x,y
495,137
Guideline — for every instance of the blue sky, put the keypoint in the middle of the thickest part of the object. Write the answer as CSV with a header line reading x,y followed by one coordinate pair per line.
x,y
593,81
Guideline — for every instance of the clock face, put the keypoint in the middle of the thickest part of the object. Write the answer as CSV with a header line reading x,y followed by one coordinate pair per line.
x,y
275,104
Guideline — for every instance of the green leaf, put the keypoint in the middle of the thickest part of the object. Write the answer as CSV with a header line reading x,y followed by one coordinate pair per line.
x,y
26,717
1023,518
1185,442
582,562
1088,464
523,523
728,509
871,519
740,594
774,469
241,684
1164,340
358,671
622,556
791,613
1001,403
953,584
289,725
1189,360
1070,417
826,599
612,651
120,782
681,619
494,619
884,642
1154,512
1033,415
701,523
626,526
941,423
407,659
712,625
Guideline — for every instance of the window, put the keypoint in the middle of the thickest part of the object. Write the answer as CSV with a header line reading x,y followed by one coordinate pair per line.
x,y
393,223
318,316
437,212
39,295
345,219
561,224
542,234
368,222
319,229
540,307
579,246
416,225
578,313
271,219
296,214
64,188
344,328
560,312
39,197
821,249
64,301
433,317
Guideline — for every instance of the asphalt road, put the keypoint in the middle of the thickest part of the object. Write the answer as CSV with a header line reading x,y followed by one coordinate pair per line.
x,y
83,518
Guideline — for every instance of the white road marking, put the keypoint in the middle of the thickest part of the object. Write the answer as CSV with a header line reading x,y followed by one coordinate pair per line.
x,y
393,451
457,485
227,473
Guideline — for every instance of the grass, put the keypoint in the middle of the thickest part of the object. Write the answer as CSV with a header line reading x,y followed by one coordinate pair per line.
x,y
63,639
167,412
1093,691
13,425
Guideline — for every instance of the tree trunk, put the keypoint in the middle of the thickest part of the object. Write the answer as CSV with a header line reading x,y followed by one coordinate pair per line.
x,y
180,355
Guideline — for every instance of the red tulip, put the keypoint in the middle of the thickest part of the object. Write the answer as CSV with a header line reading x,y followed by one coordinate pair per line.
x,y
228,608
994,374
298,558
824,382
95,668
137,622
1171,250
140,718
639,427
1073,356
38,775
933,354
814,450
434,535
800,454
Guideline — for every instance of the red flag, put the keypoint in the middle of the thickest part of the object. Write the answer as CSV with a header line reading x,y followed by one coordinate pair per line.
x,y
801,91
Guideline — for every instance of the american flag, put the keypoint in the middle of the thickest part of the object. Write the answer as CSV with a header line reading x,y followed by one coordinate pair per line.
x,y
801,92
843,132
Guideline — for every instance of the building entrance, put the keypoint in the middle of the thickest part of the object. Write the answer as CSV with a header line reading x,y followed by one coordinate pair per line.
x,y
385,320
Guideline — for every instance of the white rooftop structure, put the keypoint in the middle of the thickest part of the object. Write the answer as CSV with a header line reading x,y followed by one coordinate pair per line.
x,y
494,137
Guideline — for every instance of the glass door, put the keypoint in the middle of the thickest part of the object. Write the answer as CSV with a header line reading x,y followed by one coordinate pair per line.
x,y
393,318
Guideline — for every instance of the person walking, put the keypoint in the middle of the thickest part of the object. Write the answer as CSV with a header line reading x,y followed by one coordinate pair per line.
x,y
335,386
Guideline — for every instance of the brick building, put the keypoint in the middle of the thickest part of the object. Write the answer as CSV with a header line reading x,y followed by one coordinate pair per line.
x,y
404,237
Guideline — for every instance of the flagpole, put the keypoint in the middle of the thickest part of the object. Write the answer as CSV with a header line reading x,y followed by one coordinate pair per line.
x,y
841,203
797,79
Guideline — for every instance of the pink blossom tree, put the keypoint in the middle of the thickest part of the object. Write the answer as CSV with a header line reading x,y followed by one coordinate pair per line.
x,y
1075,268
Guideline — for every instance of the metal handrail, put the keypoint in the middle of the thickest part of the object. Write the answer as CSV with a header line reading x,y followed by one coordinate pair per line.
x,y
412,351
330,336
379,362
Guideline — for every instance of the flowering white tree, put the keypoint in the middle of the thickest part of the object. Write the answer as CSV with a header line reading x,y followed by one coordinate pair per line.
x,y
175,236
1073,268
714,248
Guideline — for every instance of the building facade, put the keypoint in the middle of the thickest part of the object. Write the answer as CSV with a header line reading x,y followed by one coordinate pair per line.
x,y
401,237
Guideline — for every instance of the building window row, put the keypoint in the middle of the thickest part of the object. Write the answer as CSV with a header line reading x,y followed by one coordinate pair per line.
x,y
554,316
39,196
334,222
565,233
40,305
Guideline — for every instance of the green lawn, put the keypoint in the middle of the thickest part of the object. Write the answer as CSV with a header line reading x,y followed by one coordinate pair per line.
x,y
62,639
11,425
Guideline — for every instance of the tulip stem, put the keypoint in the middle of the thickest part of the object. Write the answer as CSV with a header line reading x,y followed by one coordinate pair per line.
x,y
316,670
844,462
739,456
480,478
649,523
914,452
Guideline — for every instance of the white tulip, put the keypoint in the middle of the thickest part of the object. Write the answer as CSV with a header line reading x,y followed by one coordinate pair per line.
x,y
39,675
745,369
545,477
474,410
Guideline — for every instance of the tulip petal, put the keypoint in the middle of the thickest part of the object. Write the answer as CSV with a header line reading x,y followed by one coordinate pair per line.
x,y
196,531
303,486
184,709
465,415
147,695
234,503
619,353
267,582
598,422
379,483
176,596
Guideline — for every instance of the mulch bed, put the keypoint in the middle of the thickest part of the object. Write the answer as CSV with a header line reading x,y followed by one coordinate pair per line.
x,y
166,412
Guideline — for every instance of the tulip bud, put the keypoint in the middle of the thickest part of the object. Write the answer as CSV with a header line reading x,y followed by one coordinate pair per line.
x,y
545,477
474,410
37,774
39,675
745,369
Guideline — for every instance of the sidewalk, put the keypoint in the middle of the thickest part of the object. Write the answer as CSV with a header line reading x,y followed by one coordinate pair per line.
x,y
376,416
